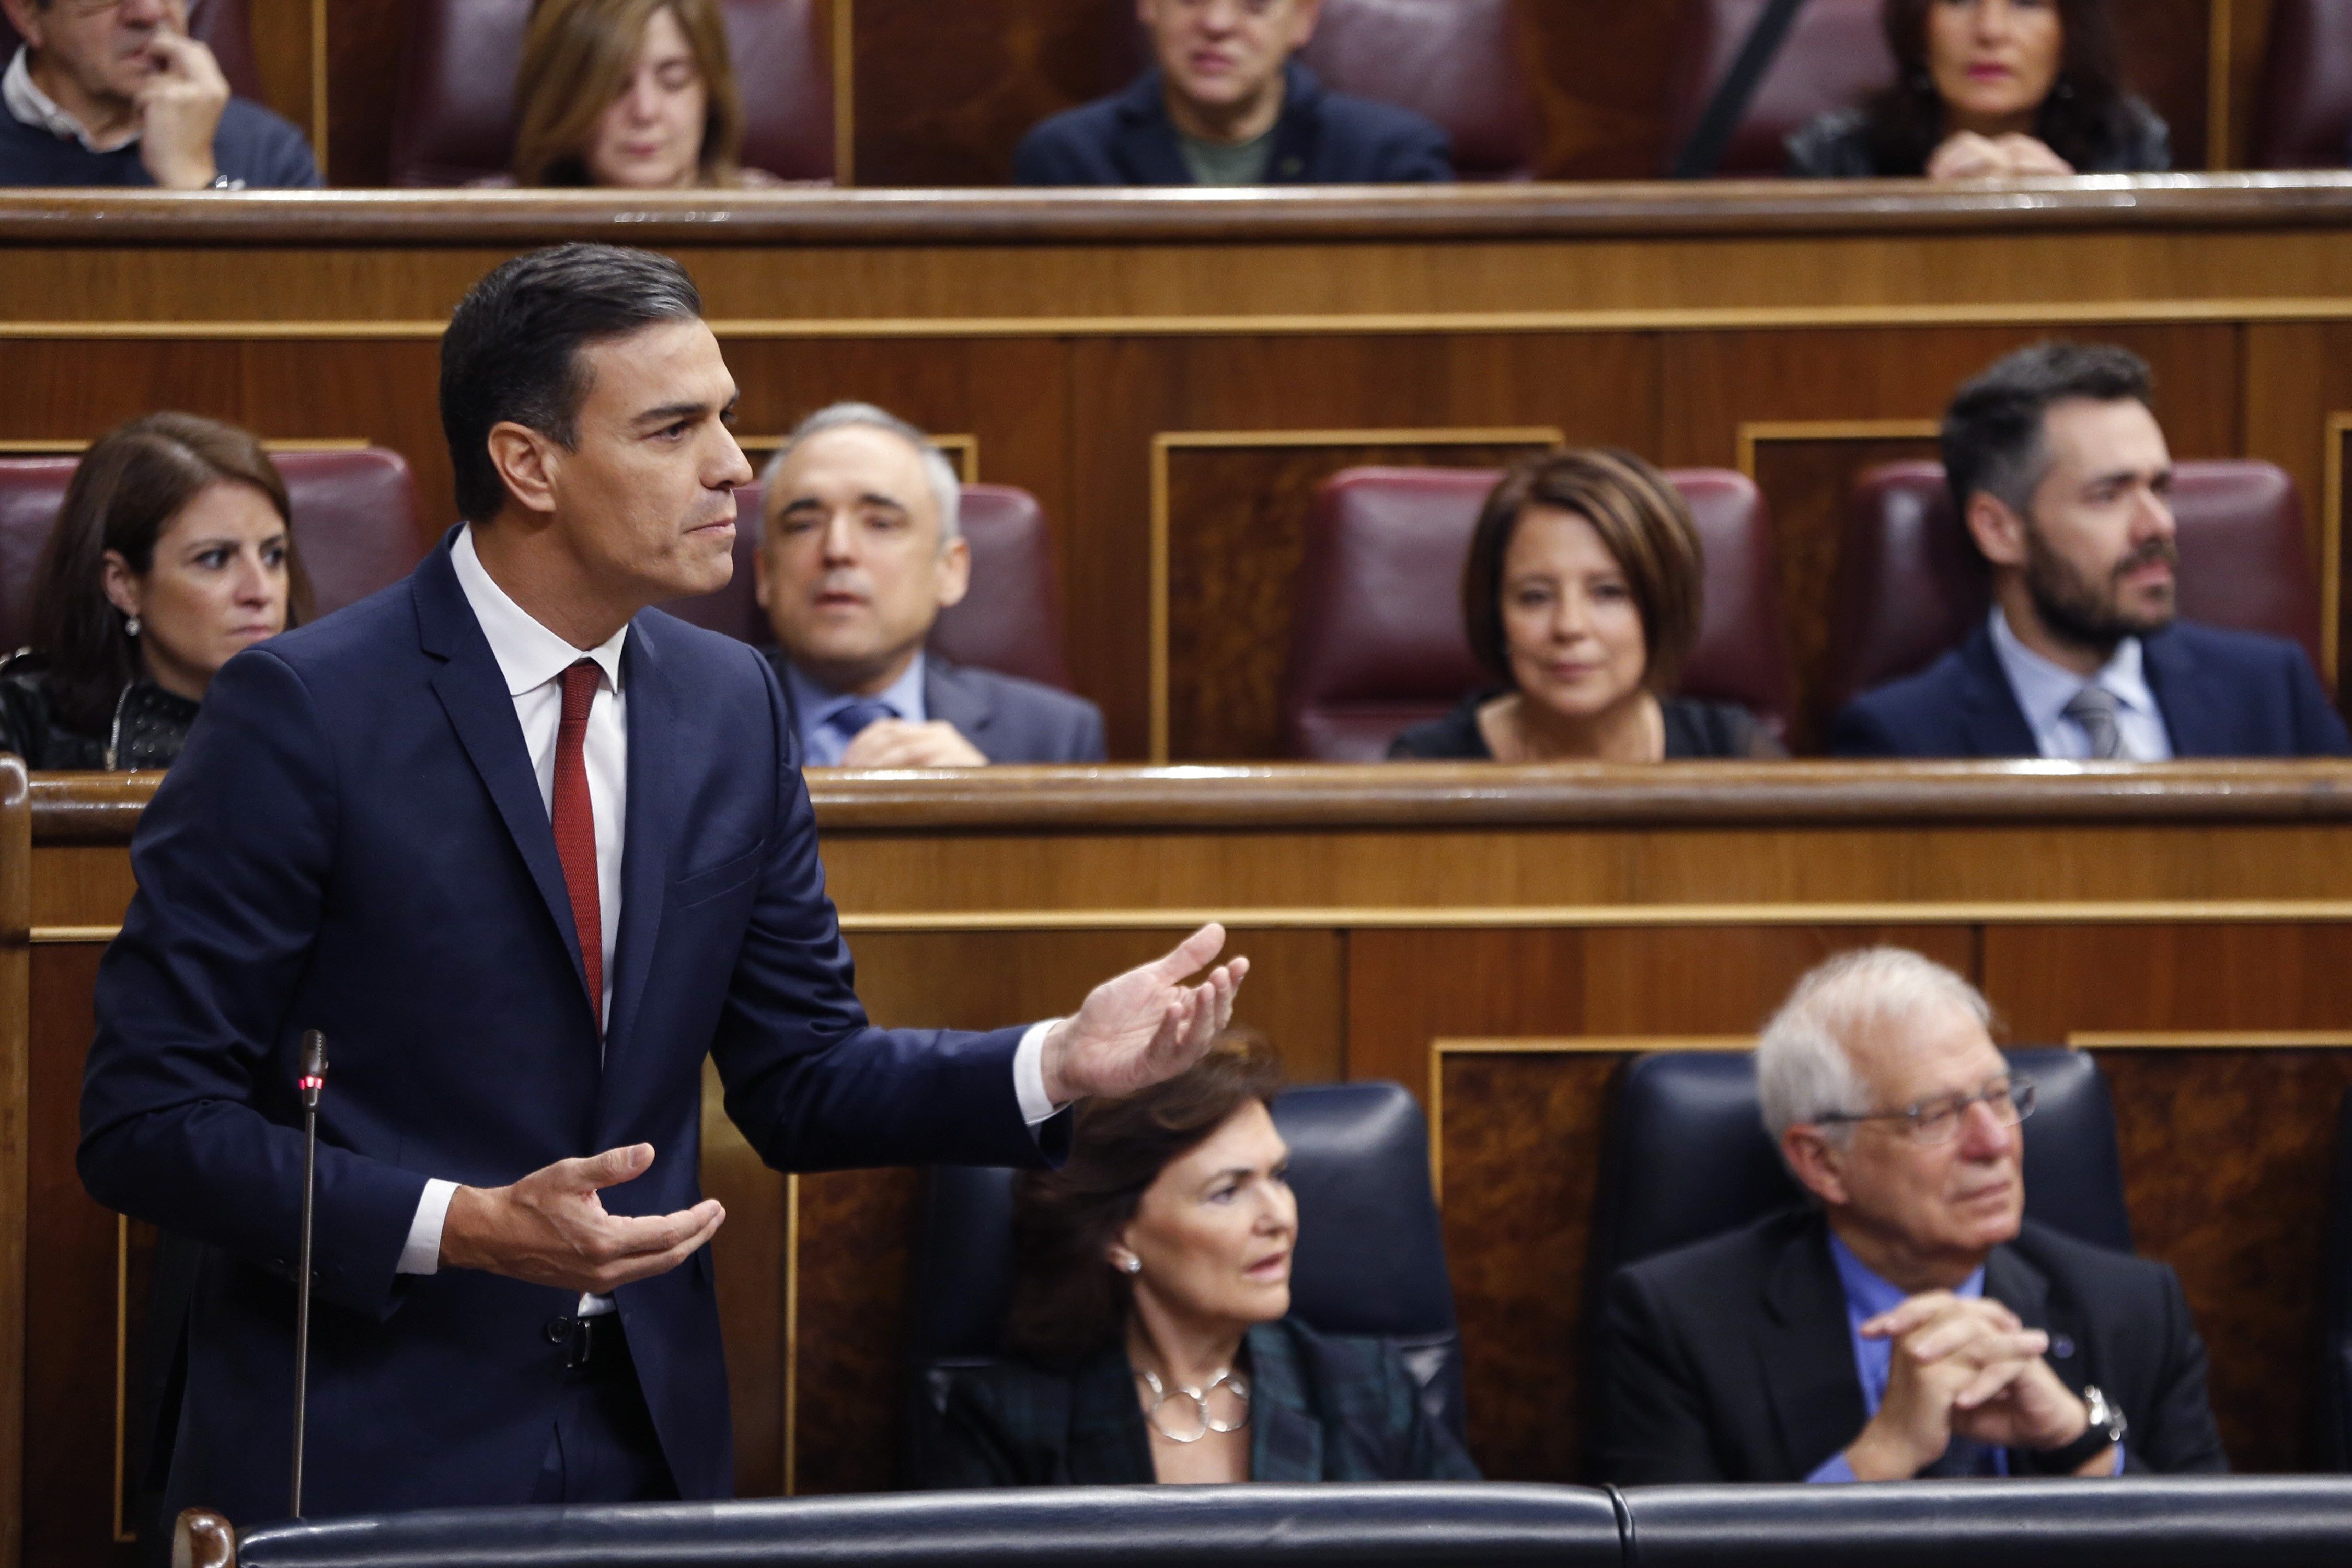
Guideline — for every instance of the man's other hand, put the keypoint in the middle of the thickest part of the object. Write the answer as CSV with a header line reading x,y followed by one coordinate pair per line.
x,y
1145,1027
551,1228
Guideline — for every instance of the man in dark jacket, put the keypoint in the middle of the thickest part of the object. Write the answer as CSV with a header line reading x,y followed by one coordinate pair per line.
x,y
1226,104
1910,1322
860,550
120,95
2061,475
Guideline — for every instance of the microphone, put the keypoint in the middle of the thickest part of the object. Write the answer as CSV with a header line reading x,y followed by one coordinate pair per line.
x,y
313,1081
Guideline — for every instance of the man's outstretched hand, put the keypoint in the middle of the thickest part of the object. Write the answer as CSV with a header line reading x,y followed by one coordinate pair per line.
x,y
1145,1027
551,1228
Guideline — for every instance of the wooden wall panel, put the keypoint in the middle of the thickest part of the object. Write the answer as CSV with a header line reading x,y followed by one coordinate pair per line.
x,y
749,1260
281,49
2053,979
364,48
1406,988
856,1229
1695,980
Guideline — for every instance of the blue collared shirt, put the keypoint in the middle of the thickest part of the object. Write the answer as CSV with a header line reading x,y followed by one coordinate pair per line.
x,y
821,745
2043,691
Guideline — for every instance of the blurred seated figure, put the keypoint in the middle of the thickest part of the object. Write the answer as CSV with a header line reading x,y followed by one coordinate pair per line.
x,y
635,94
1149,1332
1582,598
171,556
1226,104
859,552
114,92
1909,1321
1991,89
2061,471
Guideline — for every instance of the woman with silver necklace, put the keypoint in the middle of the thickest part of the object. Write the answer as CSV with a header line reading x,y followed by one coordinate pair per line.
x,y
1150,1337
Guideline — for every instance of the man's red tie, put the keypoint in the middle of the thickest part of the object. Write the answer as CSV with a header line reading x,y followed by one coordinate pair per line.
x,y
575,828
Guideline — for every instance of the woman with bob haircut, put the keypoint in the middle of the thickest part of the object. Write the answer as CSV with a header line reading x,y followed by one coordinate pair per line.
x,y
1991,89
1150,1336
634,94
172,553
1582,598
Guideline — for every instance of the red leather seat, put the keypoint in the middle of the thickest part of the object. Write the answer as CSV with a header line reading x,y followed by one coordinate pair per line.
x,y
222,26
1378,642
454,115
1456,62
1910,584
2303,115
354,521
1011,622
1834,57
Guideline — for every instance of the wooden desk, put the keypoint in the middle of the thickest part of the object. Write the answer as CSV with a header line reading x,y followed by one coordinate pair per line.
x,y
1173,372
1498,940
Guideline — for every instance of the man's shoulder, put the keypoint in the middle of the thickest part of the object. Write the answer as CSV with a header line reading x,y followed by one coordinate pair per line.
x,y
701,655
360,637
2092,1275
1914,713
1369,120
1028,722
1715,1270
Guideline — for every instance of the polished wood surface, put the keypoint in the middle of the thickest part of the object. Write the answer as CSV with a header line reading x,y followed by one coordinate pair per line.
x,y
1173,372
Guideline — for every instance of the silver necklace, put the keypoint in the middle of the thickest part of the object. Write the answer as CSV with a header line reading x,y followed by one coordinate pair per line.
x,y
1204,1423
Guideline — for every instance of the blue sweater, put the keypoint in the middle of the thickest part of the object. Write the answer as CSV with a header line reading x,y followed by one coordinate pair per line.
x,y
252,144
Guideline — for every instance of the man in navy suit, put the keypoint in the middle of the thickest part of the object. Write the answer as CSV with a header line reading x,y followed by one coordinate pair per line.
x,y
526,851
860,548
1225,105
2060,469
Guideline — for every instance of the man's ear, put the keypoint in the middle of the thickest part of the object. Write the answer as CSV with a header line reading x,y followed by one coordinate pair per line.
x,y
527,462
26,20
759,570
1999,532
955,572
1818,1165
1307,15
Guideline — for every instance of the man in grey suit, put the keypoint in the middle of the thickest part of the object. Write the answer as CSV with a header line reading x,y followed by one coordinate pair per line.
x,y
859,552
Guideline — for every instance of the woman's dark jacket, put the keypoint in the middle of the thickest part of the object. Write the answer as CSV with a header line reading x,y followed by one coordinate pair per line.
x,y
1321,1409
1839,145
1693,729
148,726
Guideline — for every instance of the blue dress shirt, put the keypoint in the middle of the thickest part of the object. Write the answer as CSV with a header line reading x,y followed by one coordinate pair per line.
x,y
823,745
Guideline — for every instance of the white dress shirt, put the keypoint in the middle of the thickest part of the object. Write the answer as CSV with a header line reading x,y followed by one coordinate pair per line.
x,y
534,659
2043,690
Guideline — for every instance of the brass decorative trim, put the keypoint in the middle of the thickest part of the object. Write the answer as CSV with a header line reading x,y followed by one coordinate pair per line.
x,y
1167,441
1561,1045
48,936
2209,1039
2331,546
1761,432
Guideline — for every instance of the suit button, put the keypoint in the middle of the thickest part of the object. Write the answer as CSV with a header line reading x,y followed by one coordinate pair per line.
x,y
557,1328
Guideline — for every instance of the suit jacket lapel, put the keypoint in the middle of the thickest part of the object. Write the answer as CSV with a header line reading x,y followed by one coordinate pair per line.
x,y
1108,1443
474,694
1285,1439
1807,1354
2024,1290
1147,150
2193,716
951,696
1994,724
648,844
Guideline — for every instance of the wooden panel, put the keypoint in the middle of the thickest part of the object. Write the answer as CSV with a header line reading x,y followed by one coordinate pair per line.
x,y
1688,981
1406,988
2051,979
855,1233
282,52
1236,518
748,1257
364,40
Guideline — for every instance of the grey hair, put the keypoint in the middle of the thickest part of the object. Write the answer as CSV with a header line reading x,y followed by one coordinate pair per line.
x,y
947,485
1804,1065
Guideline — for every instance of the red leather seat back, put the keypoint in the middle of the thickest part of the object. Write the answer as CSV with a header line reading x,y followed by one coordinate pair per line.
x,y
1455,62
454,114
1910,584
2303,115
1836,58
354,522
1011,622
1378,643
222,26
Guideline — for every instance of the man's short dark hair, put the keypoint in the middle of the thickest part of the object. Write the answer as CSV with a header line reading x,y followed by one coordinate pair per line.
x,y
1994,432
513,349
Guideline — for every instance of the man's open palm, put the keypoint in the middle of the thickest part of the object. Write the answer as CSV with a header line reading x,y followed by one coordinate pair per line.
x,y
1146,1025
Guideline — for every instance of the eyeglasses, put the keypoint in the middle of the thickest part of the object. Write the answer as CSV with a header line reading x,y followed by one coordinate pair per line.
x,y
2010,1101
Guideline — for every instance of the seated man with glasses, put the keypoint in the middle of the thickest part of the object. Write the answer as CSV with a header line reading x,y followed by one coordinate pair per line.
x,y
1909,1321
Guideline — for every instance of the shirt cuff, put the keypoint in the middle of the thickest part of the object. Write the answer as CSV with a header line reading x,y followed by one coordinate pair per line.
x,y
1029,1074
1836,1471
2119,1462
423,1253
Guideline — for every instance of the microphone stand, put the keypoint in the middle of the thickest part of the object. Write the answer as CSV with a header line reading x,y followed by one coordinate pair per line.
x,y
313,1080
1702,155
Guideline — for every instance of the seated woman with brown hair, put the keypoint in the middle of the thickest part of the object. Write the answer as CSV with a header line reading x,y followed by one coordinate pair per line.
x,y
172,554
1991,89
1582,598
1150,1336
636,94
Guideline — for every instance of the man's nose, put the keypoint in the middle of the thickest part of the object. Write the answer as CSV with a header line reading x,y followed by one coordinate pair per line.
x,y
841,537
1983,1134
2153,518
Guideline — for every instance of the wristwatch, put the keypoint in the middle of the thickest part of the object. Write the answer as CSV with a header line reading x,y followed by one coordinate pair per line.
x,y
2107,1429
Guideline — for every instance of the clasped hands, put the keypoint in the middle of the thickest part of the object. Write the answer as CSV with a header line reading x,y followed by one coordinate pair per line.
x,y
1966,155
551,1228
1966,1369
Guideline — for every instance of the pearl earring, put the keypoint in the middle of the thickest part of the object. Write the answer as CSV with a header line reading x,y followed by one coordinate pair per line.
x,y
131,626
1133,1265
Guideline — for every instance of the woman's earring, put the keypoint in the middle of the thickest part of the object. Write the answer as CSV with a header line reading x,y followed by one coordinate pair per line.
x,y
131,626
1133,1265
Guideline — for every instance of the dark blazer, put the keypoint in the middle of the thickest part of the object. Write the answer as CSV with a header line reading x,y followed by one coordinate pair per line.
x,y
1321,1409
1007,719
250,145
1732,1361
1322,139
354,841
1693,729
2222,694
147,729
1839,146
